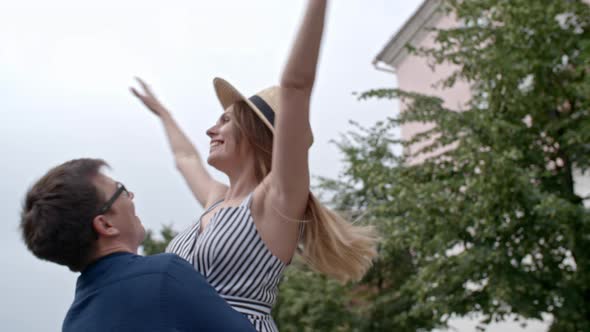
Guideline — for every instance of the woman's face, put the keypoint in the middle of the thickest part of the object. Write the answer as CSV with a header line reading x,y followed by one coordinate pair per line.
x,y
224,150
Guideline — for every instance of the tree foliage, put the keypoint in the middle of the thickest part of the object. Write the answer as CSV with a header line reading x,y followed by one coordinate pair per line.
x,y
154,245
492,222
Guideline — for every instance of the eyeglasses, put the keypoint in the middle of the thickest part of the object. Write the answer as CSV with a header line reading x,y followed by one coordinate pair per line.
x,y
120,189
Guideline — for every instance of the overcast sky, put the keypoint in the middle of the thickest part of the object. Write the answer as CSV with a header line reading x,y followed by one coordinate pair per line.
x,y
65,69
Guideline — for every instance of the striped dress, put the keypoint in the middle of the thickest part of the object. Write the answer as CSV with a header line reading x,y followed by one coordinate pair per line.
x,y
231,255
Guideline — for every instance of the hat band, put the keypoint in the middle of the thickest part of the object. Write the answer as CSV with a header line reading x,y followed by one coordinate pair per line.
x,y
263,107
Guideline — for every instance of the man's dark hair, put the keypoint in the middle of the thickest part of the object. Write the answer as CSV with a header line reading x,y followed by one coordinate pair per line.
x,y
56,220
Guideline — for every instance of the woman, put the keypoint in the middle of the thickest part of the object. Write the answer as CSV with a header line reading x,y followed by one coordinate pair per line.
x,y
250,229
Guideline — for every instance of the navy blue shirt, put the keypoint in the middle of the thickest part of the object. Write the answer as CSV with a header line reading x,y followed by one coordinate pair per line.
x,y
127,292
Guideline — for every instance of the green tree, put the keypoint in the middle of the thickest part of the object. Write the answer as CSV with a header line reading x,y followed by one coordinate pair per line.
x,y
491,225
154,245
310,302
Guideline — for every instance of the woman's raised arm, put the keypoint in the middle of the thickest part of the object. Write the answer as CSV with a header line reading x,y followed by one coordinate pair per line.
x,y
290,171
187,158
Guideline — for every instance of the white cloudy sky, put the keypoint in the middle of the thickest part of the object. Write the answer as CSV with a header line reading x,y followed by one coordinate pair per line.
x,y
65,68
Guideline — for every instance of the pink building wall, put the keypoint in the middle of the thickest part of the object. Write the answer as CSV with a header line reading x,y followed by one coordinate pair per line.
x,y
414,74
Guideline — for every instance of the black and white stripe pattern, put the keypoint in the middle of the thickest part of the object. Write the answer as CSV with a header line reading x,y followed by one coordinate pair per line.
x,y
231,255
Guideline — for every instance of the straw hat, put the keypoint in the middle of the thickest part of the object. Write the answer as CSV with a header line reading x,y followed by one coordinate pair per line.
x,y
265,103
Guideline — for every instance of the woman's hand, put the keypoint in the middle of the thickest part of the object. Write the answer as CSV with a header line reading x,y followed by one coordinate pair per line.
x,y
149,99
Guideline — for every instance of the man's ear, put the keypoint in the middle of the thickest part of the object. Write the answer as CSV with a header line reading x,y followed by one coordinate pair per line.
x,y
104,227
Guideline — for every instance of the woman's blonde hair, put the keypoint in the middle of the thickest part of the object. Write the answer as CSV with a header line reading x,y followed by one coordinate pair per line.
x,y
331,245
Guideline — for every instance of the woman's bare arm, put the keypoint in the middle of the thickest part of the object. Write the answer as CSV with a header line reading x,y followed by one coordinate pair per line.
x,y
187,158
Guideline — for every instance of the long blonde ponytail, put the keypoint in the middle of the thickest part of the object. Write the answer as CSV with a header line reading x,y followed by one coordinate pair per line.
x,y
334,246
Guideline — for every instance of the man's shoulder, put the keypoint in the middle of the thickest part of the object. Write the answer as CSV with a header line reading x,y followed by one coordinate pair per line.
x,y
155,273
160,260
148,274
160,263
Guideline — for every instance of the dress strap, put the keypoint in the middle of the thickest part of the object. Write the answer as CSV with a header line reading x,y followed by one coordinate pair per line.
x,y
248,200
213,206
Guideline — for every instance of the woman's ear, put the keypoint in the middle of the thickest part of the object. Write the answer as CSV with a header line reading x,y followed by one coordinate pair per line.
x,y
104,227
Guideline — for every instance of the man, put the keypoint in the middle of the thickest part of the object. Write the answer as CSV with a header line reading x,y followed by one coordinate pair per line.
x,y
78,217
